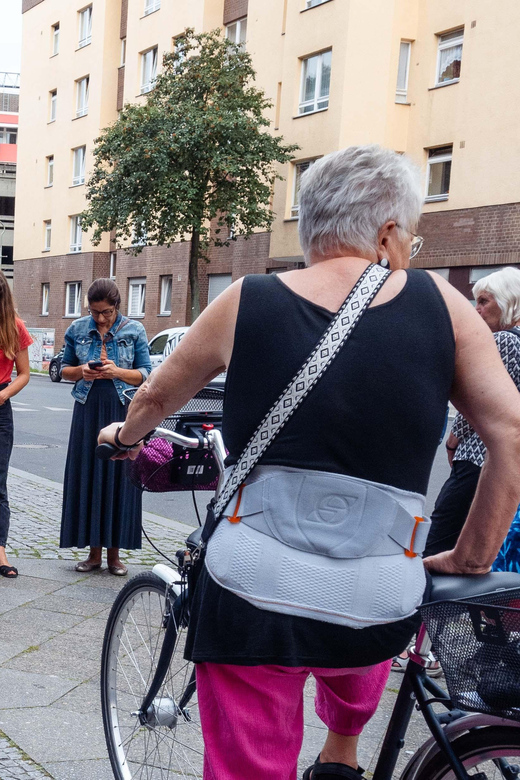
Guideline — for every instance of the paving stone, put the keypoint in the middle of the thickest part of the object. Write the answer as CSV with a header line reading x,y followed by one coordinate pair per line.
x,y
73,656
88,593
35,625
57,602
26,689
81,770
14,765
84,697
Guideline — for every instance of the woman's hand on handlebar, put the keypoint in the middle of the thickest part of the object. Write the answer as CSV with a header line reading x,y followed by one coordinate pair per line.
x,y
108,436
447,563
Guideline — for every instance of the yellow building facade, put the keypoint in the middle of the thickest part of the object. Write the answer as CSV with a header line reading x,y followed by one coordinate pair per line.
x,y
431,78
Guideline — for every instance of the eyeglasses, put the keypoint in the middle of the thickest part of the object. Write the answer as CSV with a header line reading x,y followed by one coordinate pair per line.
x,y
417,242
106,313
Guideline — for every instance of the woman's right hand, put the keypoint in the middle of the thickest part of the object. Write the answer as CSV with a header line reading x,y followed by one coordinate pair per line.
x,y
88,374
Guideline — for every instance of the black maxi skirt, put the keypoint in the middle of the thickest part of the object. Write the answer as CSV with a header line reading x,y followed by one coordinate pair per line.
x,y
101,507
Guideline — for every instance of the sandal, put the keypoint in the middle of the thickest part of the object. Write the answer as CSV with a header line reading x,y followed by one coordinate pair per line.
x,y
10,572
331,771
399,665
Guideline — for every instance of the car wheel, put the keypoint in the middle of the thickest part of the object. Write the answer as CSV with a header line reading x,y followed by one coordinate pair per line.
x,y
54,373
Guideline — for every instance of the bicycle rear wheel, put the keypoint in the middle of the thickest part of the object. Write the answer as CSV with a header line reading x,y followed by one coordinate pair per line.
x,y
168,744
493,752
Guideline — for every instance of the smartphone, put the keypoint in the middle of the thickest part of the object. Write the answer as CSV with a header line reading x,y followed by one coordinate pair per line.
x,y
93,364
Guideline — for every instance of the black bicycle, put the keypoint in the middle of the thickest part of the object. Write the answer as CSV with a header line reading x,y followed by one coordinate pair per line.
x,y
149,695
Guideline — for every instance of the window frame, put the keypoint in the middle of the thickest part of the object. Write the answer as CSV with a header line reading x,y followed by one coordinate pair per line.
x,y
79,152
112,260
47,235
75,232
82,109
77,299
442,47
149,85
151,6
55,39
140,283
212,278
402,92
319,71
295,207
165,302
46,288
238,24
122,62
86,39
313,4
53,102
50,170
439,160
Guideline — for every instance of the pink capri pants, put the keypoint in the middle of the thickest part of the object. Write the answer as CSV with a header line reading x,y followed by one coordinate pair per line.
x,y
252,716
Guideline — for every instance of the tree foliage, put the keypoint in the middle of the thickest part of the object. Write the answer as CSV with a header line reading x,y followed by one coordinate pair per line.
x,y
197,152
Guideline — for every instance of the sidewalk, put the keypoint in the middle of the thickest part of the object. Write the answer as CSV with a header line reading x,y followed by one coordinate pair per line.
x,y
52,624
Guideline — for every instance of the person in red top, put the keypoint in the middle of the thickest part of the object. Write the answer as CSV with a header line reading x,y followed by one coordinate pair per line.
x,y
14,341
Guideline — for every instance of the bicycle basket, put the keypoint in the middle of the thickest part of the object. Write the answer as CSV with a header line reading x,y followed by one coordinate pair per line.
x,y
164,467
477,642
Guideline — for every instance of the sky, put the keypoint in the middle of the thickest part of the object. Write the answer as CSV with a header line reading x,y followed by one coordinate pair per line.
x,y
10,35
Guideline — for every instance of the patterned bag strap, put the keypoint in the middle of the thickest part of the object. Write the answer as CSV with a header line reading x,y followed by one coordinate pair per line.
x,y
338,331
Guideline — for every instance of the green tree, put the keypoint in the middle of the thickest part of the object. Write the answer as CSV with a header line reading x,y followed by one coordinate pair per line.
x,y
195,163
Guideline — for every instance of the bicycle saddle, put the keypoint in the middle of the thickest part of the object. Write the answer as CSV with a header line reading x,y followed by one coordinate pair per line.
x,y
460,586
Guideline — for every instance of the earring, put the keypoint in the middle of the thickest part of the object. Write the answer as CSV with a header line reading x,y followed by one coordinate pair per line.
x,y
384,263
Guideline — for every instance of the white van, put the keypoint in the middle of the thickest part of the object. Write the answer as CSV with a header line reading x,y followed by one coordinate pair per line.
x,y
166,339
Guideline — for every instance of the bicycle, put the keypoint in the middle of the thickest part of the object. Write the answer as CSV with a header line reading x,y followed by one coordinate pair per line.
x,y
148,690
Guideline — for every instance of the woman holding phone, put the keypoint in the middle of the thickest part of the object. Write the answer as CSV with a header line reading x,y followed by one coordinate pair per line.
x,y
105,353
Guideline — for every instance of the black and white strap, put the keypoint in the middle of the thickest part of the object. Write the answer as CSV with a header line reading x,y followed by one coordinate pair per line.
x,y
314,367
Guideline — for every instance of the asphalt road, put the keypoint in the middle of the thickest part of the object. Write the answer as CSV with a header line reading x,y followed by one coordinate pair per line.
x,y
42,413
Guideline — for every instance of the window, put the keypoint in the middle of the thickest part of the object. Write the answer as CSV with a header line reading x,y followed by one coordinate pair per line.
x,y
237,32
312,3
166,295
6,206
47,235
82,89
55,37
45,298
136,297
475,274
444,272
123,52
8,135
151,5
439,171
85,27
401,90
53,100
158,344
449,56
148,70
315,86
78,165
217,284
113,260
50,170
73,299
299,168
75,233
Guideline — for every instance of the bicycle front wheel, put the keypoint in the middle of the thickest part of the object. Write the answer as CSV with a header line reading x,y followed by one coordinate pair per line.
x,y
167,741
492,752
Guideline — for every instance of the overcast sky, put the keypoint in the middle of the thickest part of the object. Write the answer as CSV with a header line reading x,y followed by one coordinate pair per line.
x,y
10,35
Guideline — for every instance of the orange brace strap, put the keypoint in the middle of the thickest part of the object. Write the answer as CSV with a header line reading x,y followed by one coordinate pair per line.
x,y
234,517
410,553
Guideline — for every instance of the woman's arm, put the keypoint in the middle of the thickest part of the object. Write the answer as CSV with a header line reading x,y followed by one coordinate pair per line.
x,y
23,374
487,397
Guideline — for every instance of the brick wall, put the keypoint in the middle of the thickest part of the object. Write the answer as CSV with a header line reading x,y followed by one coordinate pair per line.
x,y
234,9
28,4
29,275
124,18
489,235
120,87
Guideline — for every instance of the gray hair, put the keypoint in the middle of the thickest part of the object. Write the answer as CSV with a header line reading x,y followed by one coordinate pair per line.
x,y
504,286
347,196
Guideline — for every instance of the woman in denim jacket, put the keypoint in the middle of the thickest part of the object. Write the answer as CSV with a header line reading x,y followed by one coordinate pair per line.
x,y
101,508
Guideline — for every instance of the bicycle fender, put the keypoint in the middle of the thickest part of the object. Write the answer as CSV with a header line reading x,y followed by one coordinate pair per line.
x,y
453,730
168,576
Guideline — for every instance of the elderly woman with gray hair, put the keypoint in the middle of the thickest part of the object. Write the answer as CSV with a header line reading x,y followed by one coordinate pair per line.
x,y
498,302
330,584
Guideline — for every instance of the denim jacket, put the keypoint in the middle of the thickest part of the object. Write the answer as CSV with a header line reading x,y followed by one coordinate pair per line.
x,y
125,343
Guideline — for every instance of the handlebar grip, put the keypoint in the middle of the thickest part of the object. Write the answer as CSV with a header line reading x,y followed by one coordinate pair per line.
x,y
106,451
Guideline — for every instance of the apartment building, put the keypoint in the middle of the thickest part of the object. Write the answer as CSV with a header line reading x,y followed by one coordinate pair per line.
x,y
9,102
431,78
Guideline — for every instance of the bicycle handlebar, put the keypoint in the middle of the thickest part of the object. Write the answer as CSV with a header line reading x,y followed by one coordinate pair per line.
x,y
106,451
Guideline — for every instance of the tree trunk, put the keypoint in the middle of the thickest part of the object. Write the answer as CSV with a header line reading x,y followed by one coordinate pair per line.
x,y
194,276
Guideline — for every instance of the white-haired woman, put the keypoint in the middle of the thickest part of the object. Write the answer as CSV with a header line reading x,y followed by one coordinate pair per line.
x,y
498,302
372,420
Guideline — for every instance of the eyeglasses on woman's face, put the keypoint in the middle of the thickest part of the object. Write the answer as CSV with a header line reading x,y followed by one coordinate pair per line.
x,y
106,313
417,242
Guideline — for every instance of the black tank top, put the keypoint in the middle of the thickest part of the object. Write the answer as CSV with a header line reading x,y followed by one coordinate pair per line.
x,y
378,411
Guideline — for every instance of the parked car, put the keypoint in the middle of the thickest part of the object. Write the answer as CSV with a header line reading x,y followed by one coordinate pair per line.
x,y
166,339
55,366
